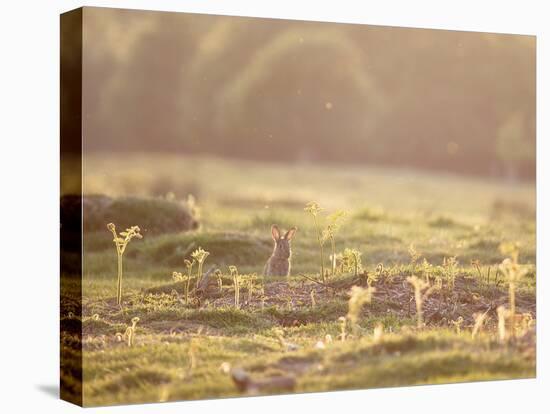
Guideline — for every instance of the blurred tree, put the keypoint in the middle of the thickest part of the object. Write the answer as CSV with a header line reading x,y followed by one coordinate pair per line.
x,y
286,90
512,148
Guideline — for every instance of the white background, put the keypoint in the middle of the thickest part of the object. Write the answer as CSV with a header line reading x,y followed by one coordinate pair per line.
x,y
29,164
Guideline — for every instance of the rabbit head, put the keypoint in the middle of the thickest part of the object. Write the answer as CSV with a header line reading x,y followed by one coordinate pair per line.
x,y
282,242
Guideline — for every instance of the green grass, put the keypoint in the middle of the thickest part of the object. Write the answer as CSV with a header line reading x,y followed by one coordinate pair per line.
x,y
157,368
441,215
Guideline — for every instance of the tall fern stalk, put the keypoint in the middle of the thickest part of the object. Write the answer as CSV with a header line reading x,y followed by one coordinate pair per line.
x,y
119,280
314,209
335,220
236,284
189,265
422,290
514,273
200,256
320,247
121,242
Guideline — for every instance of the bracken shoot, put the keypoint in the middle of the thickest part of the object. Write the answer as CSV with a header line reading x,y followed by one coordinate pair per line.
x,y
121,242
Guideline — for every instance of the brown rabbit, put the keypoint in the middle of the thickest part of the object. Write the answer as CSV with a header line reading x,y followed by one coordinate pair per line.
x,y
279,262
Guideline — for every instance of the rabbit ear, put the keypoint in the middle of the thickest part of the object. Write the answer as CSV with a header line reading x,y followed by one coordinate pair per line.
x,y
275,232
290,234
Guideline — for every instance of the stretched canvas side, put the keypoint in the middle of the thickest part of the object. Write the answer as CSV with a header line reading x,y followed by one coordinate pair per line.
x,y
71,207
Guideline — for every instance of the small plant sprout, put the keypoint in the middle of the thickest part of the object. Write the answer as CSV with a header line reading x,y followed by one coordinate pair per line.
x,y
335,220
502,313
314,209
337,259
131,331
450,264
342,320
371,278
458,324
477,265
422,290
382,273
527,322
250,287
312,296
351,260
279,335
358,298
121,241
414,257
289,305
177,276
236,284
263,297
479,320
189,266
219,275
378,332
427,269
513,273
200,256
287,346
438,282
180,277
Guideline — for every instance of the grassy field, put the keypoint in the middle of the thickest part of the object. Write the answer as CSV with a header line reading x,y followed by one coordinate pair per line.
x,y
286,334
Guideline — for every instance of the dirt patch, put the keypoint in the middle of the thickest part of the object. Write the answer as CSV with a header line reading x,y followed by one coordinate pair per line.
x,y
392,297
441,307
289,303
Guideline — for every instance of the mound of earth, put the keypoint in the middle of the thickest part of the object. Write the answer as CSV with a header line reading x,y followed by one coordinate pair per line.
x,y
152,215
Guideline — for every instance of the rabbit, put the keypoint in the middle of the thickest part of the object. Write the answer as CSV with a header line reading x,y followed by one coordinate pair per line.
x,y
279,262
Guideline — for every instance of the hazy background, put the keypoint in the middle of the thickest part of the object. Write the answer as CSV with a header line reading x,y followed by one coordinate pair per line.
x,y
295,91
